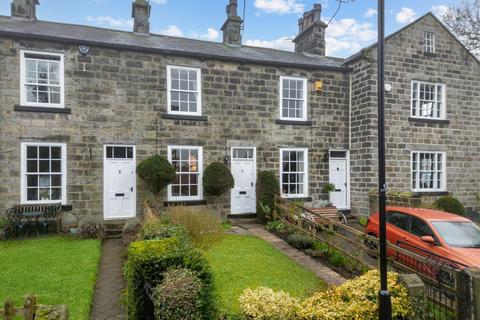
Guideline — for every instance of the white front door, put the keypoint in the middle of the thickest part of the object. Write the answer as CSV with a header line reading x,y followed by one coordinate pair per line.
x,y
243,198
119,182
339,177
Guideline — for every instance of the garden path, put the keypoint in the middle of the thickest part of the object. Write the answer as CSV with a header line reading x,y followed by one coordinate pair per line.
x,y
110,283
323,272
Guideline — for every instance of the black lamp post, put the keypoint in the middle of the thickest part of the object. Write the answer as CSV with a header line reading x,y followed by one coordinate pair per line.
x,y
385,304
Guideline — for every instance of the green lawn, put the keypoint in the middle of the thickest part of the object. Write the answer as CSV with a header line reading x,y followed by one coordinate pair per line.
x,y
241,262
58,270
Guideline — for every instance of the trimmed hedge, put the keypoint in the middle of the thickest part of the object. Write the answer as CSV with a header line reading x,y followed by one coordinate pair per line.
x,y
148,260
450,204
179,296
267,187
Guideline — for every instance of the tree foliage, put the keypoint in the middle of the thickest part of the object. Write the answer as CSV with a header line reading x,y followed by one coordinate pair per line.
x,y
157,173
217,179
464,22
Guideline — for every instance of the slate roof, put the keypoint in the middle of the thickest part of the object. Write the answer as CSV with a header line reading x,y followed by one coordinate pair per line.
x,y
163,44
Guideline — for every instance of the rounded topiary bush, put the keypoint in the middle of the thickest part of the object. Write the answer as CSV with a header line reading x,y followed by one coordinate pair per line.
x,y
267,187
157,173
178,296
450,204
217,179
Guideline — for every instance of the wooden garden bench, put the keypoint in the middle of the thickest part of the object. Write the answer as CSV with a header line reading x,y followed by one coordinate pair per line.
x,y
320,215
22,215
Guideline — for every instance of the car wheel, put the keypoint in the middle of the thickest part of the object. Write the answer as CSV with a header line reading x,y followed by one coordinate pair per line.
x,y
371,245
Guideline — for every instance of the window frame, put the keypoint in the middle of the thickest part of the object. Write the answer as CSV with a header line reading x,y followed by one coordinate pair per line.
x,y
199,90
23,170
61,76
305,173
426,48
443,187
443,110
172,198
305,98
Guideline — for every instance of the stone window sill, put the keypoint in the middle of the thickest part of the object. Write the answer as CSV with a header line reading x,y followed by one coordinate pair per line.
x,y
41,109
294,123
185,203
184,117
423,120
305,199
432,193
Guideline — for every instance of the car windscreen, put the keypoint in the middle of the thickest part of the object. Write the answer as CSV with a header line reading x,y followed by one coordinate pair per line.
x,y
459,234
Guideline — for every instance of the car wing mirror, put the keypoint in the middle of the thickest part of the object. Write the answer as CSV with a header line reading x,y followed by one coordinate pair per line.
x,y
428,239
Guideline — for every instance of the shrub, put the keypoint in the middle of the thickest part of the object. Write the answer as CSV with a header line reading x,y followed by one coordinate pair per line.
x,y
275,226
266,189
157,173
266,304
300,241
178,296
450,204
202,227
327,188
4,223
148,260
363,221
356,299
130,231
217,180
157,230
92,228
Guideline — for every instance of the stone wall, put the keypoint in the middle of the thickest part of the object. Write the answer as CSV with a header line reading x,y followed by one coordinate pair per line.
x,y
459,137
119,96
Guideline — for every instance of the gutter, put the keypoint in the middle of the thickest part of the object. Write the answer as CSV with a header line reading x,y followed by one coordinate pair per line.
x,y
350,112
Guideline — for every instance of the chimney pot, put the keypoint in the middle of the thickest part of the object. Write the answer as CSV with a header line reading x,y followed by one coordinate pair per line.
x,y
311,33
26,9
141,14
232,27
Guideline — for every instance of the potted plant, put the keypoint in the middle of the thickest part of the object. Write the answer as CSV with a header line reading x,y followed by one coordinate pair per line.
x,y
4,226
328,188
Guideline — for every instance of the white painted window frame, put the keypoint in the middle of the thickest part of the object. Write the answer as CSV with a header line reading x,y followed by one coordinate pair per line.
x,y
444,172
23,92
200,174
23,170
428,48
305,98
443,110
305,174
199,90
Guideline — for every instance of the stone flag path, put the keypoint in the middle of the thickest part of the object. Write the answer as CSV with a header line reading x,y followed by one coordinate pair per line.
x,y
110,283
326,274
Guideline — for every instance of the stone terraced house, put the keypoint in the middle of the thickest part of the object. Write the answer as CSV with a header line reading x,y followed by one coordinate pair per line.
x,y
81,106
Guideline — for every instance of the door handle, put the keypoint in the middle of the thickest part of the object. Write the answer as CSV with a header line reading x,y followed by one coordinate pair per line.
x,y
131,189
251,184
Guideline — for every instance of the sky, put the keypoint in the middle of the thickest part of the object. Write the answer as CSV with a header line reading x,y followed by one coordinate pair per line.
x,y
268,23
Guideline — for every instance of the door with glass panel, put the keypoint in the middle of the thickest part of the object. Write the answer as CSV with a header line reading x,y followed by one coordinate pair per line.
x,y
119,182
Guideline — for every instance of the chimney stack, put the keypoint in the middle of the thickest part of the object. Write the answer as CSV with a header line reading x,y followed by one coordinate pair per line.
x,y
25,9
141,15
231,28
311,32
